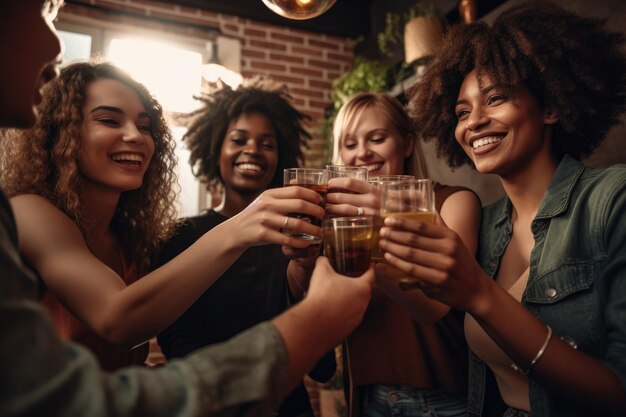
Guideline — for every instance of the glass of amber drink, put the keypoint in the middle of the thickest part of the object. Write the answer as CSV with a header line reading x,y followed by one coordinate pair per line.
x,y
348,244
377,254
315,179
413,199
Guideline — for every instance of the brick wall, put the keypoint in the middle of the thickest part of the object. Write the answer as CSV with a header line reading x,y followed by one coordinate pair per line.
x,y
306,61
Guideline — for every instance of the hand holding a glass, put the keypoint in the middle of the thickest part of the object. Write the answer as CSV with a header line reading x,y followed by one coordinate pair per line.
x,y
264,220
312,179
349,193
432,257
406,199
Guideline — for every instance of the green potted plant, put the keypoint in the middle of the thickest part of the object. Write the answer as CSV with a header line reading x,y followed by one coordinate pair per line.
x,y
365,75
419,29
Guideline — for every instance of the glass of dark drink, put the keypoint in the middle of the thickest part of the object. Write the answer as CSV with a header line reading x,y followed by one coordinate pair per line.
x,y
341,171
348,244
315,179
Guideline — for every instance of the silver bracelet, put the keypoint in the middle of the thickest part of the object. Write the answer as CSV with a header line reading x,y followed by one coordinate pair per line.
x,y
538,356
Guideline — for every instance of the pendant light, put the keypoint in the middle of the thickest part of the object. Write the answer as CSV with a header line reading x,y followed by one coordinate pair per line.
x,y
213,70
299,9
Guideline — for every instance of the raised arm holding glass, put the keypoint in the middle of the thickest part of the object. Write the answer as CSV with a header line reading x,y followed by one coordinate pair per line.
x,y
248,375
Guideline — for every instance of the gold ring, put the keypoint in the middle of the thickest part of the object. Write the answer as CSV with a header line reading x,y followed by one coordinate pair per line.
x,y
360,211
286,221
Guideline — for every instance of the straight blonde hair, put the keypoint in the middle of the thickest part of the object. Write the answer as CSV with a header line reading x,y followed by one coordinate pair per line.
x,y
351,112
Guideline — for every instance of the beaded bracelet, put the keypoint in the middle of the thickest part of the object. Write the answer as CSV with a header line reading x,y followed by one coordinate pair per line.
x,y
538,356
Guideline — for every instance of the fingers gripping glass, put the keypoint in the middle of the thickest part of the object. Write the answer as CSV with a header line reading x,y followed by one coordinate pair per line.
x,y
311,178
414,199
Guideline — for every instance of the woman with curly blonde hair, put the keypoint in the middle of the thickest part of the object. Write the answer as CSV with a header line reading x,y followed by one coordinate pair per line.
x,y
91,187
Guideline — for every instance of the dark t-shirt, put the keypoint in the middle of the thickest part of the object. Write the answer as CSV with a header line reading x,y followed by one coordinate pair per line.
x,y
252,290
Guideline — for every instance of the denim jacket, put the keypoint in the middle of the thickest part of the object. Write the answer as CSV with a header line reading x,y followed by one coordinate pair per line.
x,y
577,281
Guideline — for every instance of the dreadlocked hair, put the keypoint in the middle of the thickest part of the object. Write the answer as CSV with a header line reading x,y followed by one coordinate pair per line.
x,y
44,160
209,126
572,65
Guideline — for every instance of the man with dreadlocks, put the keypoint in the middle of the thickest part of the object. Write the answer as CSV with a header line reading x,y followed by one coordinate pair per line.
x,y
240,142
526,99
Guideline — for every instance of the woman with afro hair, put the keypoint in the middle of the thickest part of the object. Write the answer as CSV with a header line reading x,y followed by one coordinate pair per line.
x,y
526,98
240,142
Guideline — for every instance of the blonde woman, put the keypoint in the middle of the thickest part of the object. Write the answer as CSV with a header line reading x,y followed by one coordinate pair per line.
x,y
408,355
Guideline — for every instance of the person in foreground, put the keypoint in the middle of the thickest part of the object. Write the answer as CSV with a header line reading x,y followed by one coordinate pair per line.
x,y
248,375
240,142
526,98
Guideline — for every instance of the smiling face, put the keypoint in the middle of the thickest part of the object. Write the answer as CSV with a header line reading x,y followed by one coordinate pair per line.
x,y
502,133
116,140
249,155
373,142
30,47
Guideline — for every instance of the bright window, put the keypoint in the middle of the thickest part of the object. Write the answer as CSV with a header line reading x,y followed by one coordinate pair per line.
x,y
172,74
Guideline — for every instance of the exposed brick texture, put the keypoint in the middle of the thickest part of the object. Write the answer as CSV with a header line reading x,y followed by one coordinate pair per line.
x,y
306,61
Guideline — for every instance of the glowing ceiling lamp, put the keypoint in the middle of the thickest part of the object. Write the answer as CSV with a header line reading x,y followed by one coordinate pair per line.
x,y
299,9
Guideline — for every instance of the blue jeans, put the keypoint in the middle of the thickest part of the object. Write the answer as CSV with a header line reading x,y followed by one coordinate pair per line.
x,y
406,401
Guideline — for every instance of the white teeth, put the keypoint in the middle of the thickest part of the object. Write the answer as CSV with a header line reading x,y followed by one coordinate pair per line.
x,y
485,141
127,157
372,167
250,167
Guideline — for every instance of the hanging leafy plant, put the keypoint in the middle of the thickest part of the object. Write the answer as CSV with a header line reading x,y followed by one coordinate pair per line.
x,y
365,75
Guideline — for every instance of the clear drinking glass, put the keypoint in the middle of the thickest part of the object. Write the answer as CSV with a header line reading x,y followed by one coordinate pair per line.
x,y
315,179
339,171
380,179
377,254
348,244
413,199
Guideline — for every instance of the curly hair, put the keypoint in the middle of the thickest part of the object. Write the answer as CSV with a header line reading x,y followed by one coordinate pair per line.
x,y
44,160
350,113
209,126
572,65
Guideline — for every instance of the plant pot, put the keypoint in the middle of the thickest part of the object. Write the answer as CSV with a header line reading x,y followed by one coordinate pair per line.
x,y
422,36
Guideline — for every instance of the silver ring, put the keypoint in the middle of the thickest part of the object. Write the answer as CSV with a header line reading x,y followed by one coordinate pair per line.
x,y
286,221
360,211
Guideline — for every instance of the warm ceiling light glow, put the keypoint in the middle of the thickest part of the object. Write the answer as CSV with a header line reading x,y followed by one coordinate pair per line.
x,y
170,73
214,71
299,9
